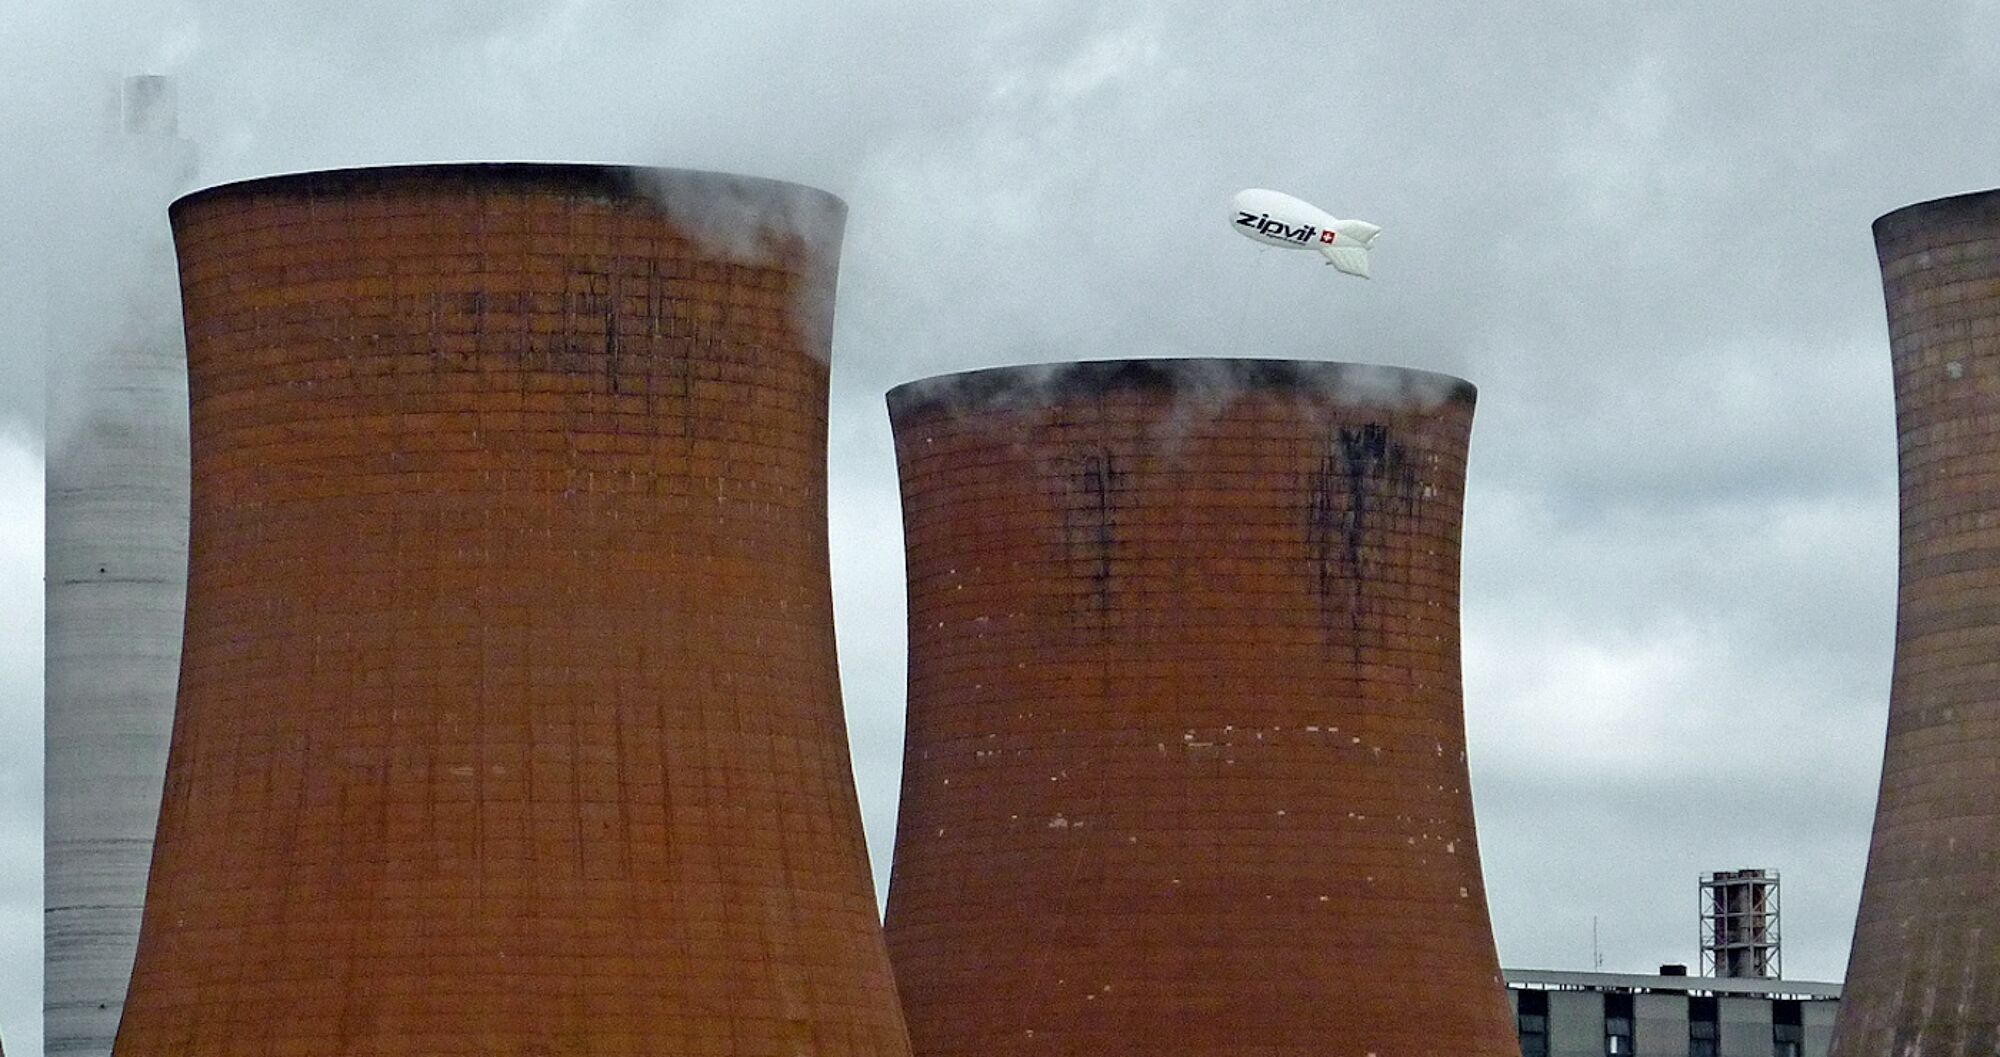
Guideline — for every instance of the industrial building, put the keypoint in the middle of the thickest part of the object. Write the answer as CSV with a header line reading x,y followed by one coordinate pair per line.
x,y
1572,1014
509,721
1737,1006
1185,769
116,564
1923,978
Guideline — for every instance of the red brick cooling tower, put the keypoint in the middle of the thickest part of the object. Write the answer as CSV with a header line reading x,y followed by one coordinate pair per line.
x,y
508,718
1185,772
1924,976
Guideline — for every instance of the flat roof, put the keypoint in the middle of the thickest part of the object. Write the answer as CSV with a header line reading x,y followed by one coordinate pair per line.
x,y
1562,980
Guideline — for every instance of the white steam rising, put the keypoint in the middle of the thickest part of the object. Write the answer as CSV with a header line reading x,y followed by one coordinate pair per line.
x,y
1200,390
761,222
112,289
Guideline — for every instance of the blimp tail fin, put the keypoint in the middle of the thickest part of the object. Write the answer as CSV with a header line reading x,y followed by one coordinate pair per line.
x,y
1360,231
1350,257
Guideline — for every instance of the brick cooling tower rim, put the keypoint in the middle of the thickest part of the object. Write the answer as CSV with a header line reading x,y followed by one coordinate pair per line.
x,y
610,180
1361,384
715,206
1896,222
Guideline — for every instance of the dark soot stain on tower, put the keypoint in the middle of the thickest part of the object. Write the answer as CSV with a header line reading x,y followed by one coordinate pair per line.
x,y
1185,772
1924,976
509,720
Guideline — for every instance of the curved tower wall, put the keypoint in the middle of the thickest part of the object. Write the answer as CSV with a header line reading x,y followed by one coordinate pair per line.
x,y
1923,978
1185,770
509,720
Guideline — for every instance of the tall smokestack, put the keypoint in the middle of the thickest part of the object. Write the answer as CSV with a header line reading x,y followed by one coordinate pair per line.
x,y
149,105
1185,771
509,718
1923,978
116,560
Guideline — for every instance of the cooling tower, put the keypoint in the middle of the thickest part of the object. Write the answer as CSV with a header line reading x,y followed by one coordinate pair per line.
x,y
116,562
1923,979
509,720
1185,772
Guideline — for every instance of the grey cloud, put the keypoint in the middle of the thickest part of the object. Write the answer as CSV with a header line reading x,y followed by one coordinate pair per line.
x,y
793,93
1600,854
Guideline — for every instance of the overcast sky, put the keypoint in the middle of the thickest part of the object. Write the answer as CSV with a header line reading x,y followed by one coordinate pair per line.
x,y
1640,229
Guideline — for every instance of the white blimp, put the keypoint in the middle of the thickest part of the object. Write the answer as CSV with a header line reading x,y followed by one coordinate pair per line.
x,y
1277,219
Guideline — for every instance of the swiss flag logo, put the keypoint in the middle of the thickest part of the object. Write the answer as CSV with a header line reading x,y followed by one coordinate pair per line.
x,y
1326,237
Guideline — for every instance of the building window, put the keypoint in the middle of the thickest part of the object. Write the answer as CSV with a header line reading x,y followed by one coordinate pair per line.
x,y
1617,1025
1704,1029
1788,1033
1531,1020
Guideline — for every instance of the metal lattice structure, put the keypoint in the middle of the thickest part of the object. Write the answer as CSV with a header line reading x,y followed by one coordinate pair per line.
x,y
1739,924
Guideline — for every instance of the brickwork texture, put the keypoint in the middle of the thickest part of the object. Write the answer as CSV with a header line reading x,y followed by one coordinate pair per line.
x,y
509,720
1923,978
1185,772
